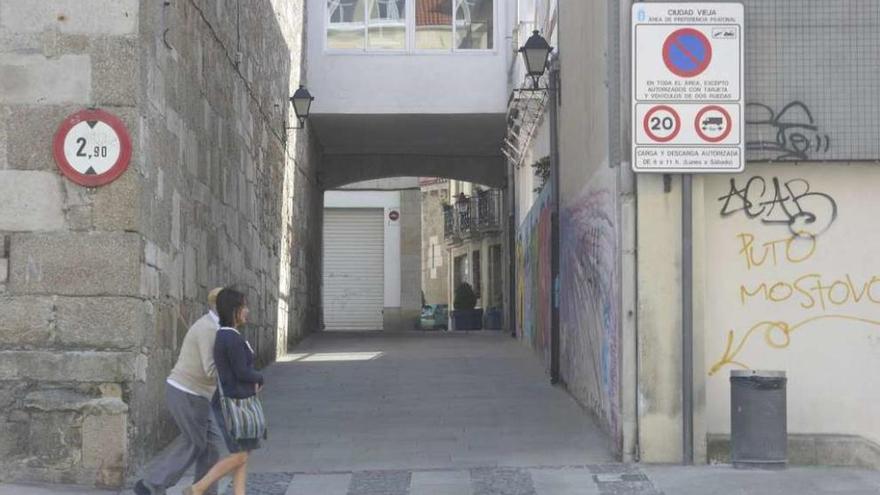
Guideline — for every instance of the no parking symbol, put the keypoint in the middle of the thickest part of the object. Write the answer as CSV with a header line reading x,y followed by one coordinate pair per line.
x,y
687,52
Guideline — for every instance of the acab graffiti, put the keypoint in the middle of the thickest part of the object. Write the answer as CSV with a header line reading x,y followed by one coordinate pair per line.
x,y
793,203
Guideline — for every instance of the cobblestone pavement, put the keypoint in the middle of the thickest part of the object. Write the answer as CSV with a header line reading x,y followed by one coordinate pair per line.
x,y
595,479
449,414
562,480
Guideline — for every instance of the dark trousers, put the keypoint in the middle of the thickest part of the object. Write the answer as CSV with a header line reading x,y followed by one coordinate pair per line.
x,y
197,443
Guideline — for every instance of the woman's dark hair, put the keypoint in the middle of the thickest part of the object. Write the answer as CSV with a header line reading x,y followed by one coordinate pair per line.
x,y
228,303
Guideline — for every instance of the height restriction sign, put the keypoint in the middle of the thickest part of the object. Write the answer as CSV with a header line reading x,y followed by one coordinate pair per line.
x,y
92,147
687,72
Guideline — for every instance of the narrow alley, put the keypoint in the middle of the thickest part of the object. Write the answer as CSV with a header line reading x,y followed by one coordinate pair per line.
x,y
420,400
473,247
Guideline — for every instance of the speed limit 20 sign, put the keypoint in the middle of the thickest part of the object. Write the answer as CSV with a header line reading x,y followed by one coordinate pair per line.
x,y
92,147
661,123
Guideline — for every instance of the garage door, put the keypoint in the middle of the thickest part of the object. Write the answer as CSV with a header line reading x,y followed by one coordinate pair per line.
x,y
354,260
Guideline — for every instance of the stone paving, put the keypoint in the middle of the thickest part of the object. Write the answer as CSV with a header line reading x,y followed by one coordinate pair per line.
x,y
611,479
443,413
420,401
563,480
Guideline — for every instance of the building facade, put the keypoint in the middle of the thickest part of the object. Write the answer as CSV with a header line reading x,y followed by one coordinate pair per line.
x,y
473,229
435,267
774,285
372,256
98,284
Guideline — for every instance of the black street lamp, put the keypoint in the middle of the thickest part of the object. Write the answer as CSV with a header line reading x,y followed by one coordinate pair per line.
x,y
461,203
302,102
535,53
462,206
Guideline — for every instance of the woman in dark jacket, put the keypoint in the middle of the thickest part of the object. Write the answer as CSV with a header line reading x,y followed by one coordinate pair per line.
x,y
238,379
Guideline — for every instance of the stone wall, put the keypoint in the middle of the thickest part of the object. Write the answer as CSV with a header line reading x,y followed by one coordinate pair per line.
x,y
410,257
72,334
227,190
98,286
435,269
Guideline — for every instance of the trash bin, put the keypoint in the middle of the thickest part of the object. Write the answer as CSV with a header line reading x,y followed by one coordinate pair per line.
x,y
493,319
758,430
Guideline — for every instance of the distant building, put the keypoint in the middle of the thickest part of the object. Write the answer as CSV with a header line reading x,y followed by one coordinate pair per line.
x,y
372,244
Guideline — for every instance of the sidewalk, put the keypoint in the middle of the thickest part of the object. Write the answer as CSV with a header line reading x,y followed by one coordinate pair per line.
x,y
442,413
609,479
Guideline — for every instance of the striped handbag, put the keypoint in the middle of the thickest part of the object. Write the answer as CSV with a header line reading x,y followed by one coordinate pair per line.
x,y
244,418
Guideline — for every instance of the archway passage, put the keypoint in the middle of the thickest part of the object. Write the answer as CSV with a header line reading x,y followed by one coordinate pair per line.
x,y
364,147
389,408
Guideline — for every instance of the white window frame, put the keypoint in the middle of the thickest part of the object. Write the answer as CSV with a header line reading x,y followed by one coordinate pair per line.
x,y
410,34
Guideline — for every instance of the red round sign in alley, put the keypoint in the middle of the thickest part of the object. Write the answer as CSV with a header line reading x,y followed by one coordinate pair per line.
x,y
662,123
713,128
687,52
92,147
393,215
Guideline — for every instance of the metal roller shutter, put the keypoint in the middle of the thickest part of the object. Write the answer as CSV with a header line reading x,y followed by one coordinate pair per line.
x,y
354,268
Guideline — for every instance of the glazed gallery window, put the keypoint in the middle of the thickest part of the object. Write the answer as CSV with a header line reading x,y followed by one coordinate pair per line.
x,y
370,24
377,25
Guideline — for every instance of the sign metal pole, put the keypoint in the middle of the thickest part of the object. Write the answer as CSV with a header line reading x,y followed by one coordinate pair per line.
x,y
687,316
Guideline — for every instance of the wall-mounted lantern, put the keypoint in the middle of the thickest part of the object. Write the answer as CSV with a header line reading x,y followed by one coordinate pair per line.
x,y
535,53
302,103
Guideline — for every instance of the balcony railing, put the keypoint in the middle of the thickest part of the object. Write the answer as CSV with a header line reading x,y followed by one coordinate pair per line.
x,y
473,216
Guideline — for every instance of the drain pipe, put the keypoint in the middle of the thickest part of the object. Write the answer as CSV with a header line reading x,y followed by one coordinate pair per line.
x,y
511,246
687,316
553,90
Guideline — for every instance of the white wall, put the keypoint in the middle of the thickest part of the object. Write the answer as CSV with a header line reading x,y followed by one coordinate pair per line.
x,y
376,83
388,200
391,184
827,340
659,319
526,181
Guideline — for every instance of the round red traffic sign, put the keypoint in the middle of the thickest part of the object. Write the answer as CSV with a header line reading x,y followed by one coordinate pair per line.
x,y
394,215
687,52
713,124
661,123
92,147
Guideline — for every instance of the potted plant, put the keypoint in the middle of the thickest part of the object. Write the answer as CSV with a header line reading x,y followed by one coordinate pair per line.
x,y
464,316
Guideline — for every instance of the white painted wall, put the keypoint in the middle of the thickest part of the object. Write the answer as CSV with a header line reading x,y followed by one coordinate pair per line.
x,y
659,319
391,184
401,82
526,181
830,353
828,344
388,200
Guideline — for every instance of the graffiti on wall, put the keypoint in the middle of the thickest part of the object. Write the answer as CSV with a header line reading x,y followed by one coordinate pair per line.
x,y
590,304
790,134
817,297
777,335
793,203
533,277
